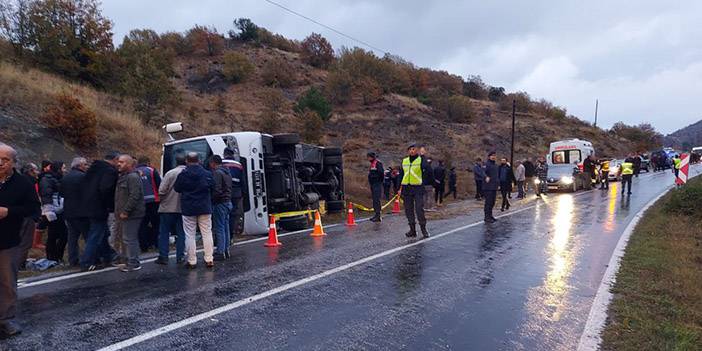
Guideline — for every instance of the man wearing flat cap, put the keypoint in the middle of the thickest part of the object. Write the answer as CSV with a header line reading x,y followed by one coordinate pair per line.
x,y
490,185
414,170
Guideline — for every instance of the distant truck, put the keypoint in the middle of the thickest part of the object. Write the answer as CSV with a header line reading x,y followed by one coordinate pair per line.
x,y
281,174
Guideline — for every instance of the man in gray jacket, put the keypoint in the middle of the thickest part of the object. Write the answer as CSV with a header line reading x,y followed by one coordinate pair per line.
x,y
129,210
520,178
170,221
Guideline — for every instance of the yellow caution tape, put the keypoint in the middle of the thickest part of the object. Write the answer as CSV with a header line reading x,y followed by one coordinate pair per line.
x,y
366,209
293,214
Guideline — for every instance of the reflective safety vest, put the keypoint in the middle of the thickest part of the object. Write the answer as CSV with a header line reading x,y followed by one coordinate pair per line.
x,y
412,170
677,162
605,166
627,168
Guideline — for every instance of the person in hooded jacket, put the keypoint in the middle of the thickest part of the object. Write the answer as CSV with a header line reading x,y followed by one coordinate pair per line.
x,y
74,211
99,201
506,175
52,209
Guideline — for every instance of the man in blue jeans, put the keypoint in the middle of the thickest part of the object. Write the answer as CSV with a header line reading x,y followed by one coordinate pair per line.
x,y
221,207
99,200
171,221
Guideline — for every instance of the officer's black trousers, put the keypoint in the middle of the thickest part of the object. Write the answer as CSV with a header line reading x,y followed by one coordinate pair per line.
x,y
626,181
413,196
490,197
376,193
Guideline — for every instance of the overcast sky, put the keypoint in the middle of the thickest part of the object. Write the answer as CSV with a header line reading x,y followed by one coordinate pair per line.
x,y
641,59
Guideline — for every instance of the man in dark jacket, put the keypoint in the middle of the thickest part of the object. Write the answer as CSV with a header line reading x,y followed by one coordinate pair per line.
x,y
529,174
542,175
452,183
413,171
129,210
506,176
387,182
74,211
239,190
52,209
99,202
490,187
18,201
150,181
375,180
479,175
439,183
195,187
588,171
30,171
221,207
637,164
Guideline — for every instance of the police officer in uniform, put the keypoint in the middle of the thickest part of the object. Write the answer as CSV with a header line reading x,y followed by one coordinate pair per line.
x,y
412,173
627,172
604,171
375,180
236,170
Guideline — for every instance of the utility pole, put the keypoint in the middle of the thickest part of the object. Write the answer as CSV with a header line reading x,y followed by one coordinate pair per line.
x,y
511,153
597,103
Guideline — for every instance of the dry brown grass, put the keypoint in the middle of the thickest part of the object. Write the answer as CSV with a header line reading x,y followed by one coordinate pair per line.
x,y
30,92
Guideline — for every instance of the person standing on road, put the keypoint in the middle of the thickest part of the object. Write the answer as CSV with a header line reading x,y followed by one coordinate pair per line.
x,y
149,226
170,221
506,176
588,171
492,180
129,210
396,180
439,183
529,174
413,171
74,211
375,180
519,178
239,189
52,209
604,171
479,175
452,183
30,172
626,170
541,174
387,183
99,200
676,165
195,186
428,180
637,165
18,201
221,207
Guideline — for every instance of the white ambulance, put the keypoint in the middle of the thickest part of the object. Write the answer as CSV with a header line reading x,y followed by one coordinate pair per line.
x,y
570,152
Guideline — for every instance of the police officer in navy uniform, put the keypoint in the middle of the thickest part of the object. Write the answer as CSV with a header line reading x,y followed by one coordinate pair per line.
x,y
375,179
236,169
414,169
150,181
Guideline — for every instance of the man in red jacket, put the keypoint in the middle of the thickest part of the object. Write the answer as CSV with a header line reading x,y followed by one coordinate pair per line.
x,y
18,201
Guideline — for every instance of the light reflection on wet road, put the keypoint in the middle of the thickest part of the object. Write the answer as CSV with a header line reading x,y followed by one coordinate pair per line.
x,y
524,283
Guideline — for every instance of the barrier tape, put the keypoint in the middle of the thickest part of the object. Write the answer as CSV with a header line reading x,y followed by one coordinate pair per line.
x,y
366,209
278,216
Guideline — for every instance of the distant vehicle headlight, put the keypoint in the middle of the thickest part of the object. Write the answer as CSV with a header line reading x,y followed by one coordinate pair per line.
x,y
537,181
567,180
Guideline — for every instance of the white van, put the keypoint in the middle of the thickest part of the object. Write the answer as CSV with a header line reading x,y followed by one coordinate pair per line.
x,y
571,151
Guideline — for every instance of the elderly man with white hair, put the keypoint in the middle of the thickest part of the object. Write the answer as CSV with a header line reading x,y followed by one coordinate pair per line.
x,y
75,212
18,200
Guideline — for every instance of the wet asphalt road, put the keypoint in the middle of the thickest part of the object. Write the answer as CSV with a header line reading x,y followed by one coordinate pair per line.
x,y
524,283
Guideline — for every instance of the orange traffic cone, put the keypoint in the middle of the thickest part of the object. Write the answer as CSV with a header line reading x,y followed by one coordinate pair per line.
x,y
318,230
272,234
350,220
36,241
396,207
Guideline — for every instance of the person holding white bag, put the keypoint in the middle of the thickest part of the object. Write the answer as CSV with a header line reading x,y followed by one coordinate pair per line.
x,y
52,211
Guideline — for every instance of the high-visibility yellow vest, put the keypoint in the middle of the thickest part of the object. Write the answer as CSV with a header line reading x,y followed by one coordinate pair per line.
x,y
627,168
677,162
605,166
412,170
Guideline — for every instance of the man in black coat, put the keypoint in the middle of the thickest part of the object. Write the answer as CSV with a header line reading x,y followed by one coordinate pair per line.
x,y
529,174
490,186
439,183
18,200
74,212
375,180
99,202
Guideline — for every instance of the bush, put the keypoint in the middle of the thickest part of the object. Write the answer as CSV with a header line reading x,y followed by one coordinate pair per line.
x,y
237,67
496,94
522,100
269,120
311,126
474,88
205,41
76,123
278,41
248,31
175,42
459,109
314,100
317,51
278,73
685,201
339,87
370,90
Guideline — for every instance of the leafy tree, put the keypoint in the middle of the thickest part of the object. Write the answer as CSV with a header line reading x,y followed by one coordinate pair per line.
x,y
459,109
496,94
248,31
317,51
522,100
237,67
175,42
277,72
475,88
205,41
339,86
644,136
311,126
76,123
314,100
273,105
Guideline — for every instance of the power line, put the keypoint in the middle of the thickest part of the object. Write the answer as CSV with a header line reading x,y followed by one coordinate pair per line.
x,y
327,27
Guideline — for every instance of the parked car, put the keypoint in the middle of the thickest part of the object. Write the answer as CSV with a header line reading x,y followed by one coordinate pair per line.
x,y
564,177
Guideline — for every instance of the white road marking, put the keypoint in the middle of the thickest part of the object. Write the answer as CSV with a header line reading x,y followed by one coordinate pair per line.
x,y
209,314
590,339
